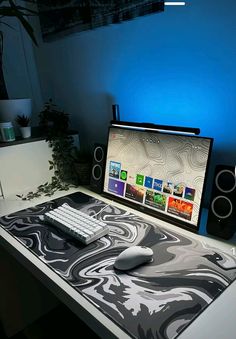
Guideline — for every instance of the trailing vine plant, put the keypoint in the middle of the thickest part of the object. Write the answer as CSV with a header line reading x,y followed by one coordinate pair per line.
x,y
55,126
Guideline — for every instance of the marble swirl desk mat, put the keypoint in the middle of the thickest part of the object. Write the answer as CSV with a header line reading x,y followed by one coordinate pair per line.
x,y
157,300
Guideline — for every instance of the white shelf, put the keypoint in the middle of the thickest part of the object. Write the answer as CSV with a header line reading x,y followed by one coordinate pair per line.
x,y
25,166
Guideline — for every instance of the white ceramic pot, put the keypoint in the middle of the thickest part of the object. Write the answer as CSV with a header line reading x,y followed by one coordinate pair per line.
x,y
9,109
25,132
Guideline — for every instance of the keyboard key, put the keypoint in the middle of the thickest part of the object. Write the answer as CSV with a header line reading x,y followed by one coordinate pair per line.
x,y
76,223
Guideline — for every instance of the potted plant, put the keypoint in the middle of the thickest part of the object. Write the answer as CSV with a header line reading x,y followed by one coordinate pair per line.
x,y
55,124
23,122
9,108
53,121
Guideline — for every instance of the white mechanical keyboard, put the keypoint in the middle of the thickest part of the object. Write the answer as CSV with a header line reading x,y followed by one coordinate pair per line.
x,y
76,223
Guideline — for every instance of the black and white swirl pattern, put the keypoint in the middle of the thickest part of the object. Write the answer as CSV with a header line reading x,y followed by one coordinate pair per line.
x,y
156,300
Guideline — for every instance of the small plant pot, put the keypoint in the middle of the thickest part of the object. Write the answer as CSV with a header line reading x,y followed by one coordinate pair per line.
x,y
10,108
25,132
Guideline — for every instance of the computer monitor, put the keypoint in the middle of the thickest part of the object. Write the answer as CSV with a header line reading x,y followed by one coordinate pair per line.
x,y
162,174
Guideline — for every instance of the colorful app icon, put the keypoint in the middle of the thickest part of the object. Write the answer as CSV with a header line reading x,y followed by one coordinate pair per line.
x,y
179,190
180,208
134,193
123,175
156,200
148,182
157,184
116,187
114,169
160,199
168,187
189,193
139,179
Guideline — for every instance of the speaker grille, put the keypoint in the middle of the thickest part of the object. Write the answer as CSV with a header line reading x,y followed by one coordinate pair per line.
x,y
96,181
222,212
97,172
222,207
98,154
225,181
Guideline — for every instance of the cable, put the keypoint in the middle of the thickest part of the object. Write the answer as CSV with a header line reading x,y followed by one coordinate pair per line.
x,y
94,215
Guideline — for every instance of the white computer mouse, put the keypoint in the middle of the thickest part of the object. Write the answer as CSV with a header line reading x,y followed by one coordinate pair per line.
x,y
132,257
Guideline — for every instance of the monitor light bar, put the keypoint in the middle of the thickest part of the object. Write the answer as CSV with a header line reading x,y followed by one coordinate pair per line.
x,y
174,3
154,127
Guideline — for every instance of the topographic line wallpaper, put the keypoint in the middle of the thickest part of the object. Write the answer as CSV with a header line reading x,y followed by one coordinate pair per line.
x,y
156,300
162,172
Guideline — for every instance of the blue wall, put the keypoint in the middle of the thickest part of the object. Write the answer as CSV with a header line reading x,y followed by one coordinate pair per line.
x,y
186,76
176,67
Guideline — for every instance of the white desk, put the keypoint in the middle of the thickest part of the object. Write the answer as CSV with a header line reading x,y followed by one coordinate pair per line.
x,y
217,321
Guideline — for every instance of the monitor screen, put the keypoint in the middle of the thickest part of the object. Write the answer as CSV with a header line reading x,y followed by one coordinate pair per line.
x,y
159,173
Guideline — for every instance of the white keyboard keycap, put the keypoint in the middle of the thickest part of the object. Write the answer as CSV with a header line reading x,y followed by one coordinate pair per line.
x,y
76,223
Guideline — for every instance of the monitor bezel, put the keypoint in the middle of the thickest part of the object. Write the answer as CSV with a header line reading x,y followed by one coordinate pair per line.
x,y
155,213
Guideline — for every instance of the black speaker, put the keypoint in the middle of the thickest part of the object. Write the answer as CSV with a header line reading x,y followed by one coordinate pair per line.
x,y
98,168
222,211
